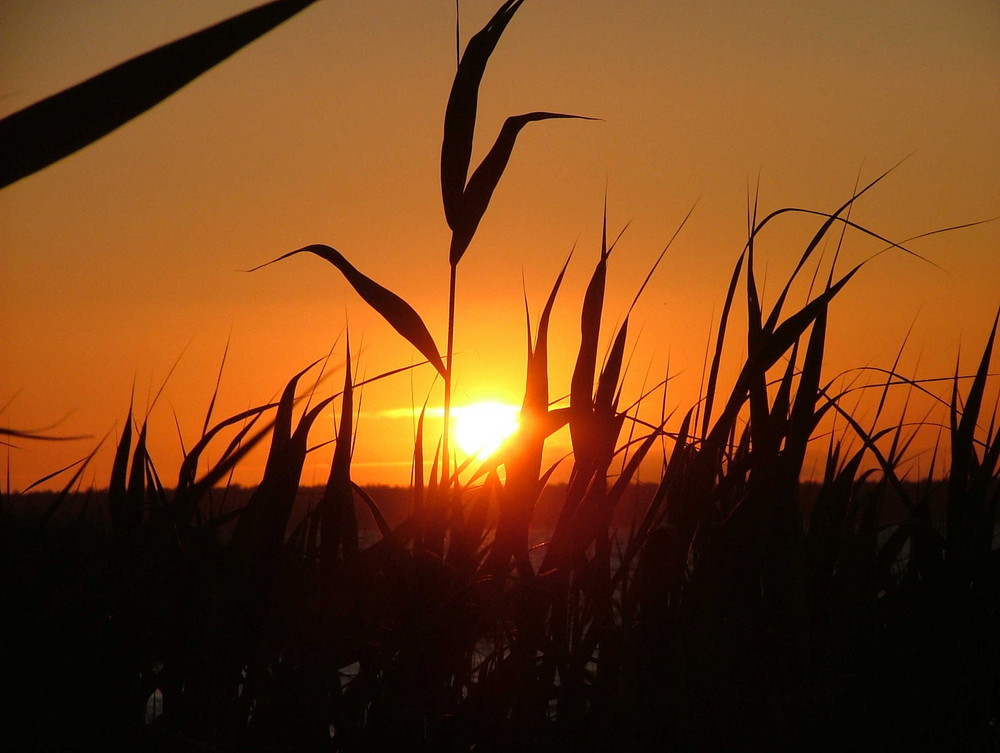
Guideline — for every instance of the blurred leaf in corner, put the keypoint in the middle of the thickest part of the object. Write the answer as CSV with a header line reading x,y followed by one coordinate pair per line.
x,y
47,131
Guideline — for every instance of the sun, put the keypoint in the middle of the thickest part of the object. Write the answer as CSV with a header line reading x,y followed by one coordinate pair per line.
x,y
480,428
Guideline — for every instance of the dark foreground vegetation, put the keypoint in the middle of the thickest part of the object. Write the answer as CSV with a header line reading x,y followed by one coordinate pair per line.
x,y
726,607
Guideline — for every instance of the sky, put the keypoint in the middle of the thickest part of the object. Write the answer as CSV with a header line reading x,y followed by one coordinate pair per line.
x,y
129,256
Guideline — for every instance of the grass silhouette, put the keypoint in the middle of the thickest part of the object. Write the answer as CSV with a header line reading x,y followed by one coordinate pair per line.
x,y
736,609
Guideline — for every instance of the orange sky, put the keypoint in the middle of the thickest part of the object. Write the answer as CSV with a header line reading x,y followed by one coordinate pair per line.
x,y
128,253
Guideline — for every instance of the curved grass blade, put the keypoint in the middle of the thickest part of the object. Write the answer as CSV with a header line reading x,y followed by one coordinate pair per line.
x,y
964,436
215,391
605,396
383,526
535,406
802,416
53,474
239,448
815,241
18,434
261,528
771,348
397,312
713,375
189,466
60,498
47,131
962,515
656,264
484,180
460,113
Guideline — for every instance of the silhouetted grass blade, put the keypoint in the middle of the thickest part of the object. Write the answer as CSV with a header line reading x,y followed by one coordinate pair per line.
x,y
136,492
484,180
392,308
536,389
118,485
47,131
261,528
460,113
189,467
582,381
604,397
373,508
338,519
720,339
803,418
970,513
37,436
815,241
63,494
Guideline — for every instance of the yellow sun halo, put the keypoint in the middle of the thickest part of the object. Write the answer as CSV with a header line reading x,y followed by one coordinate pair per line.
x,y
480,428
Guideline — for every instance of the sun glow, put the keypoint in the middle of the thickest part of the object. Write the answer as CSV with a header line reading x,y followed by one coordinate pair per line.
x,y
480,428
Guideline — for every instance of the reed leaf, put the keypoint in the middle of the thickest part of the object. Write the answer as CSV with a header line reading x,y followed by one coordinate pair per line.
x,y
19,434
605,396
189,466
772,347
536,387
720,339
417,485
186,501
781,405
802,418
582,380
338,519
460,113
136,491
373,508
47,131
261,528
484,180
63,494
966,512
397,312
466,198
522,457
118,502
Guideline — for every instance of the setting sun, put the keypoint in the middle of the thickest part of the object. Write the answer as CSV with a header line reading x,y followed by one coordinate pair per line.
x,y
480,428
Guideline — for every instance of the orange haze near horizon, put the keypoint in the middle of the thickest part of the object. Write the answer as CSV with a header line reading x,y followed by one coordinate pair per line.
x,y
127,256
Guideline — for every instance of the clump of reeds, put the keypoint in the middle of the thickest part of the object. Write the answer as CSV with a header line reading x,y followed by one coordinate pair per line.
x,y
737,609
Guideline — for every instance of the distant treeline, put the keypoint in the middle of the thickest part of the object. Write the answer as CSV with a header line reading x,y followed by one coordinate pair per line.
x,y
396,503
